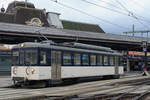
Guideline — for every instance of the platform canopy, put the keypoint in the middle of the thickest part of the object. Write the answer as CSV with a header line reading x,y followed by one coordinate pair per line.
x,y
15,33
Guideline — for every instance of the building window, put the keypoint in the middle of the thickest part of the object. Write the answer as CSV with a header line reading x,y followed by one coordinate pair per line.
x,y
99,60
85,59
93,60
67,58
112,61
105,60
77,59
43,59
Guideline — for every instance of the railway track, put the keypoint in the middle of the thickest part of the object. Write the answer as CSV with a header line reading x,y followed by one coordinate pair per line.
x,y
106,89
120,93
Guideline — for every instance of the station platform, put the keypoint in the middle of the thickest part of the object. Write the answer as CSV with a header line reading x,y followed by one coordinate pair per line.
x,y
5,81
132,74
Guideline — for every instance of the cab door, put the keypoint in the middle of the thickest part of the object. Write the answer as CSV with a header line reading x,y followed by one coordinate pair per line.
x,y
116,65
56,65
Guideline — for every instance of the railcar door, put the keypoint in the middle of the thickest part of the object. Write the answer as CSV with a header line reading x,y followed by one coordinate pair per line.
x,y
56,65
116,65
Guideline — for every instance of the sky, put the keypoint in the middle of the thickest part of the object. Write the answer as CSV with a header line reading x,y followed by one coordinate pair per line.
x,y
117,17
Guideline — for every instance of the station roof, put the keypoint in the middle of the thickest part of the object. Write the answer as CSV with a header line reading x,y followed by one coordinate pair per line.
x,y
93,37
80,26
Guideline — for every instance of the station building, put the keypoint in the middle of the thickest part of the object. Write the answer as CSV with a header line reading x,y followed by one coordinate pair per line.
x,y
17,13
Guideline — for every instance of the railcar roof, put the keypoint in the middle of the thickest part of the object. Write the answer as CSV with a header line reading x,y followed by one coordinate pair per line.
x,y
58,47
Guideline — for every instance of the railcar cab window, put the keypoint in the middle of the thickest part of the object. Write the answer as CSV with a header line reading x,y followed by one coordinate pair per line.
x,y
66,58
43,59
99,60
112,61
106,62
15,59
85,59
31,57
21,57
93,59
77,59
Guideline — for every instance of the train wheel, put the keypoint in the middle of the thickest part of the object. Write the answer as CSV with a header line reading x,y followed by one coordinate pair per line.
x,y
48,83
16,84
70,81
116,76
37,84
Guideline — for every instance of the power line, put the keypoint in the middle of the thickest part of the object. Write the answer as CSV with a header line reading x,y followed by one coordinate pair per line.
x,y
138,4
123,6
132,14
105,7
145,19
110,4
64,5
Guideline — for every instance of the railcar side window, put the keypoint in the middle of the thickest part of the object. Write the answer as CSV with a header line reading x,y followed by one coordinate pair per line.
x,y
15,55
112,61
31,57
5,60
105,60
93,59
77,59
85,59
120,61
67,58
43,59
99,60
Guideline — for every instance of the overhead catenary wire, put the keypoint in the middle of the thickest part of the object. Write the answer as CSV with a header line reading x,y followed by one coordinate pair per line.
x,y
132,14
122,6
105,7
106,21
142,18
110,4
139,5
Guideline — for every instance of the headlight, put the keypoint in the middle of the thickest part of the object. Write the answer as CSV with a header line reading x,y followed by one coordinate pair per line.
x,y
32,70
15,70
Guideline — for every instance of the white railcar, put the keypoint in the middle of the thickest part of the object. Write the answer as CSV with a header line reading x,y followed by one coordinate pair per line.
x,y
53,63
